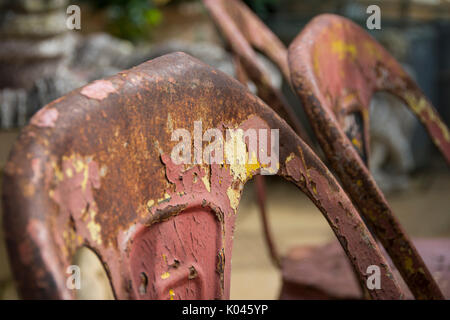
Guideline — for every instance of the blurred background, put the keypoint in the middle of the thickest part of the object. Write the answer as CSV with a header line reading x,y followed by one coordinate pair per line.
x,y
41,60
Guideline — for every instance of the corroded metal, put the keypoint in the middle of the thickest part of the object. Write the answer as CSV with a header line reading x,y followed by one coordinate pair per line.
x,y
335,68
93,168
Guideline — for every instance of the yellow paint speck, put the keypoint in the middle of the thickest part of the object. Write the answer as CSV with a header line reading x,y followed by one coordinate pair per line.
x,y
85,178
69,173
408,263
79,165
342,49
166,197
252,165
58,174
94,228
165,275
290,157
356,143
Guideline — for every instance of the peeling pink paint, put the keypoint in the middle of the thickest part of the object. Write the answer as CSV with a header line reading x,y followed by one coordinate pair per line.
x,y
46,117
98,90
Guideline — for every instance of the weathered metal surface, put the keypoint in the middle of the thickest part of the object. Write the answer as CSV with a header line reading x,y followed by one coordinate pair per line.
x,y
335,68
94,168
324,272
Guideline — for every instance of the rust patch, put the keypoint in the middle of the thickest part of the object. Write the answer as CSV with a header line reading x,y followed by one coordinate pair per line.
x,y
165,213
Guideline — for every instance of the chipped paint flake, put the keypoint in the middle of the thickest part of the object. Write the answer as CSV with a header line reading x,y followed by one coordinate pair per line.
x,y
290,157
165,275
45,118
233,196
94,228
103,171
165,198
205,180
69,173
150,203
98,90
236,153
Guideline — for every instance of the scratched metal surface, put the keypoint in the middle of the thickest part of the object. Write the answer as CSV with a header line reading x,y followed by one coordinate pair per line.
x,y
335,68
93,168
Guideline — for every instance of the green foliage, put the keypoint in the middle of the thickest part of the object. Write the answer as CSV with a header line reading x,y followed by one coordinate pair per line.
x,y
262,7
135,19
130,19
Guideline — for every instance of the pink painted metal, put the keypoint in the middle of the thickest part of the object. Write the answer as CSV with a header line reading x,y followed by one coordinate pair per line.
x,y
94,168
325,273
335,68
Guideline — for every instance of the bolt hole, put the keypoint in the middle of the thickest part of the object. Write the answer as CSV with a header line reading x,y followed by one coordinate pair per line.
x,y
175,264
144,283
192,273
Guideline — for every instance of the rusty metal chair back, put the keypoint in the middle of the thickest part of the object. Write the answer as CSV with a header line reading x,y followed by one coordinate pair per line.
x,y
95,168
336,67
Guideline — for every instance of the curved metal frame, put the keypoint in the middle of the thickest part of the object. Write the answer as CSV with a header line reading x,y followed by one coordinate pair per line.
x,y
335,68
94,168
